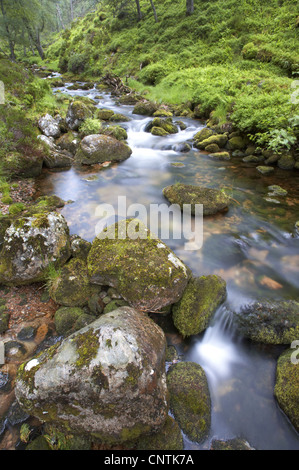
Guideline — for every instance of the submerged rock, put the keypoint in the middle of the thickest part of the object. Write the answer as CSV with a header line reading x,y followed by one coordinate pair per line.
x,y
200,300
101,148
231,444
31,245
190,399
274,322
265,170
144,271
108,379
213,200
286,387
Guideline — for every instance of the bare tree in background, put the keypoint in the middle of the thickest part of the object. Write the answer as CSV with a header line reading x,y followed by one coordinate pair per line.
x,y
189,7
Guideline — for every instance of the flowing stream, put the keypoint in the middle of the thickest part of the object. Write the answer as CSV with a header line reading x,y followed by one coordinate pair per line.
x,y
252,247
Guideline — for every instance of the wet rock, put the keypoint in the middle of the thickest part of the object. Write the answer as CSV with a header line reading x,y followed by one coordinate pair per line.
x,y
31,245
253,159
276,190
190,400
71,319
183,147
54,157
96,304
4,319
101,148
39,443
165,124
275,322
16,415
236,143
201,298
107,379
221,156
218,139
213,200
265,170
168,438
171,354
117,132
27,333
204,134
231,444
80,248
145,272
5,382
114,305
69,141
49,126
14,350
297,228
286,387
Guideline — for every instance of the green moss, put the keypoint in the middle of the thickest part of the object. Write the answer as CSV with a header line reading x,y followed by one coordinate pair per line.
x,y
65,319
190,399
87,347
168,438
286,387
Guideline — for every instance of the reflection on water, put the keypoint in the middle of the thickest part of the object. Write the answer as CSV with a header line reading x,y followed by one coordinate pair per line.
x,y
252,247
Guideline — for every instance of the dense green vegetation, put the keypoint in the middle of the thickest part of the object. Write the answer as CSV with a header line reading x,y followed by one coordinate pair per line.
x,y
238,59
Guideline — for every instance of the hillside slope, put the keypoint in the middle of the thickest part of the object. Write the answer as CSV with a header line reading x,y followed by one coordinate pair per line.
x,y
236,58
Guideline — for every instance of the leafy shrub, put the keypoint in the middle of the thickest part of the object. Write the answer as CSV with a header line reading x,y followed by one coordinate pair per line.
x,y
77,63
153,73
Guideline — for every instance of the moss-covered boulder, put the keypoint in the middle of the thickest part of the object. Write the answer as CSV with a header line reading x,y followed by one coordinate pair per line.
x,y
190,400
163,112
71,319
218,139
4,318
31,244
212,148
236,143
101,148
69,141
71,287
213,200
220,156
231,444
104,114
144,271
275,322
117,132
77,113
55,157
286,162
159,132
201,298
165,124
145,108
107,379
286,387
168,438
265,170
203,134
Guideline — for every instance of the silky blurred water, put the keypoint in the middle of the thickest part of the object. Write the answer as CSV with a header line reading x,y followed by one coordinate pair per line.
x,y
252,247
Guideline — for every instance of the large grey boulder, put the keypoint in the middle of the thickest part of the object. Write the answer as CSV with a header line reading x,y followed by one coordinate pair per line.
x,y
49,126
107,379
31,244
99,148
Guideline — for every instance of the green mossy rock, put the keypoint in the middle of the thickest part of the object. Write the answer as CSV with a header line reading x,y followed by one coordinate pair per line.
x,y
77,113
190,400
286,387
165,124
168,438
20,165
204,134
31,244
145,108
212,148
265,170
4,319
200,300
231,444
236,143
213,200
162,112
71,319
69,141
144,271
114,305
72,288
221,156
286,162
101,148
117,132
275,322
39,443
104,114
218,139
159,132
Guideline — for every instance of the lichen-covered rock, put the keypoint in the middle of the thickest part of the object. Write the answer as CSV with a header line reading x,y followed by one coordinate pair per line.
x,y
117,132
71,287
77,113
159,132
101,148
71,319
201,298
108,379
286,387
275,322
168,438
165,124
213,200
190,400
31,244
203,134
69,141
144,271
49,126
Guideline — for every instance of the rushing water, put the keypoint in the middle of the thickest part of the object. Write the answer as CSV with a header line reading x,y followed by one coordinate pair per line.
x,y
252,247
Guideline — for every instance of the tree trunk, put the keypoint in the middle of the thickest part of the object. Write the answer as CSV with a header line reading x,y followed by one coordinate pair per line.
x,y
154,10
11,43
139,14
72,10
59,16
189,7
